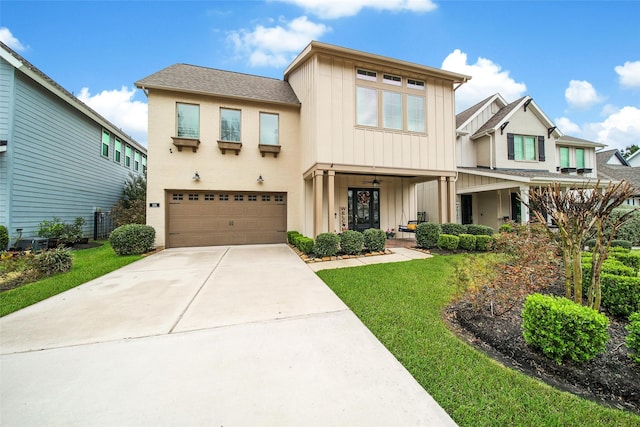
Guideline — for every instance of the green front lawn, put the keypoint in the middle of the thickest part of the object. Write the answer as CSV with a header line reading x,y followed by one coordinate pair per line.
x,y
401,303
87,265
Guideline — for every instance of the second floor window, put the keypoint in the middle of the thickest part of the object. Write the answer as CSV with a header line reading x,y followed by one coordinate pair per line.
x,y
269,129
580,158
564,157
415,113
525,147
366,106
229,125
136,161
188,121
105,143
118,151
127,156
392,115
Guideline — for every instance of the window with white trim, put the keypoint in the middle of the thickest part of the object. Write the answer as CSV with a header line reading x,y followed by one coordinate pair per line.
x,y
580,158
127,156
366,106
415,84
105,143
136,161
144,164
229,125
372,76
390,79
564,157
117,154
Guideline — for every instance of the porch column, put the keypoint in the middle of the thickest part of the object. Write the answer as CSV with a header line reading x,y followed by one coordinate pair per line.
x,y
331,201
524,210
451,198
442,200
317,202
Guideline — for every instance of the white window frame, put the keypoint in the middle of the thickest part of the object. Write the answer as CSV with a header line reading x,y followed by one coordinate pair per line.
x,y
105,144
415,84
369,75
392,79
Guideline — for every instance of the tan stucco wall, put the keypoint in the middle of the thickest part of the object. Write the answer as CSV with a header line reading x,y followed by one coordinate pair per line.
x,y
169,168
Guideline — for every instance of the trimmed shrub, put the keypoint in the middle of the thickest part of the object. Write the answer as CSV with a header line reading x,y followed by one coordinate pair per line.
x,y
630,230
326,244
132,239
427,234
563,329
620,294
53,261
351,242
480,230
621,244
304,244
448,242
630,259
291,235
453,228
375,239
610,266
483,243
633,337
467,242
4,238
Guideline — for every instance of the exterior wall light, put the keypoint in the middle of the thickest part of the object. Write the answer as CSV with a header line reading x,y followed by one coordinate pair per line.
x,y
196,176
260,179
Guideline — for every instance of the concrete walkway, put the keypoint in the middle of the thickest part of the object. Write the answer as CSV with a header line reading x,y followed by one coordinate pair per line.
x,y
218,336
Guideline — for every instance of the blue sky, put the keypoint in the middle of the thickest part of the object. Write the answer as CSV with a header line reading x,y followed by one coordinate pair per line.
x,y
579,60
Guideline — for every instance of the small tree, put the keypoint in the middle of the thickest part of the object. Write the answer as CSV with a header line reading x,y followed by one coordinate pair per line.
x,y
132,206
579,213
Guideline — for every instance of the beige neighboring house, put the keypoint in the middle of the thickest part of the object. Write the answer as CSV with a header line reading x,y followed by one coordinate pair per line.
x,y
506,149
340,143
614,167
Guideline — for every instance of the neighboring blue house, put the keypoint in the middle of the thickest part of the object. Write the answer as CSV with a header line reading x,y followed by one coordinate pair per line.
x,y
58,157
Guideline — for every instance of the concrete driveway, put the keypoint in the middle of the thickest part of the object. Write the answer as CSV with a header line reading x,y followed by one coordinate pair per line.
x,y
224,336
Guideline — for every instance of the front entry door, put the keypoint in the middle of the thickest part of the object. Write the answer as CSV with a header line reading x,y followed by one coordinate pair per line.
x,y
364,208
467,208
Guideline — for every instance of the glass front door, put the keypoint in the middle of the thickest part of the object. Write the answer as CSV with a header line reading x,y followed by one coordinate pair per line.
x,y
364,208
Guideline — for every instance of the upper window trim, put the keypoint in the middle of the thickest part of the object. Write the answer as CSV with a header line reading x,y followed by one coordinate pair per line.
x,y
415,84
392,79
179,134
240,125
369,75
105,145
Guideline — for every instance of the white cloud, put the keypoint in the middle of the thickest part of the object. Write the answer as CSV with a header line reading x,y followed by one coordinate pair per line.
x,y
619,130
276,46
10,40
119,108
581,94
331,9
567,127
487,79
629,74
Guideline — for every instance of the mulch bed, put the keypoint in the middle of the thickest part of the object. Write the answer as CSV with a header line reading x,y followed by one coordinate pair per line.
x,y
611,378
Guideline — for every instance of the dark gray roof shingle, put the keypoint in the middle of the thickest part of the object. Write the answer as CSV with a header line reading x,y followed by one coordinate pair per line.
x,y
617,172
210,81
464,116
497,117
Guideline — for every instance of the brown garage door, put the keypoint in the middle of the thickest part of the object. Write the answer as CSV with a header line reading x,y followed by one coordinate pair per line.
x,y
225,218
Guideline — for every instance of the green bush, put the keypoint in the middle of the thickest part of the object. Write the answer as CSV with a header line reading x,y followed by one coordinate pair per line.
x,y
633,338
291,235
620,294
480,230
65,233
427,234
618,243
132,239
453,228
610,265
467,242
326,244
351,242
630,259
563,329
630,230
375,239
304,244
507,228
4,238
590,244
53,261
483,243
448,242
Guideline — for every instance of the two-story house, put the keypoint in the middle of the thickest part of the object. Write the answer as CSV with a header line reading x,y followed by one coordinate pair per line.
x,y
58,157
340,143
504,150
613,166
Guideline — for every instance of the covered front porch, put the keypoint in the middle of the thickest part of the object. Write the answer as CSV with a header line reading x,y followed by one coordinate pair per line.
x,y
339,198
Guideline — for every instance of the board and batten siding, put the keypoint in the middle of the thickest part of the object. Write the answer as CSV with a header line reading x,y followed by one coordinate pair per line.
x,y
57,166
326,87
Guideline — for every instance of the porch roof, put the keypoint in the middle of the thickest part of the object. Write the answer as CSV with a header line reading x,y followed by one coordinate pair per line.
x,y
536,177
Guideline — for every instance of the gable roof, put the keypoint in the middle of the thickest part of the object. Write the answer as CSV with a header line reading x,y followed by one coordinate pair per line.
x,y
228,84
572,140
494,122
30,70
617,172
464,117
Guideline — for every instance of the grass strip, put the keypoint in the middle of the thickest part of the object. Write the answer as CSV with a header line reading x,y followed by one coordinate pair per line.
x,y
87,265
401,303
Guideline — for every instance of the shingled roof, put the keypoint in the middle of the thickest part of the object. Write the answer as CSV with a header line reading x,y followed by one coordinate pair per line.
x,y
617,172
210,81
466,114
497,118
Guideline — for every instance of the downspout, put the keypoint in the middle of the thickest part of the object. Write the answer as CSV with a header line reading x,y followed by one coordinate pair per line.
x,y
491,151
